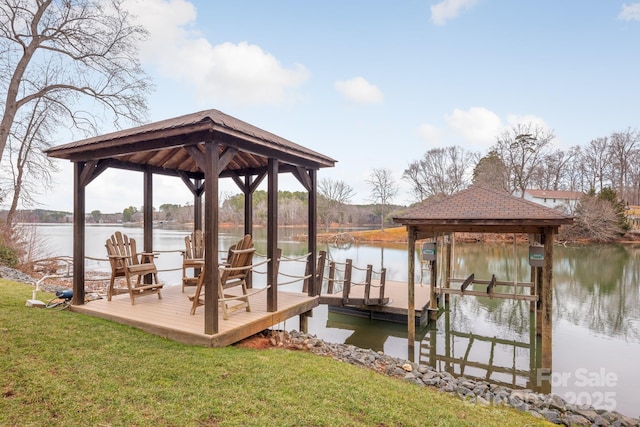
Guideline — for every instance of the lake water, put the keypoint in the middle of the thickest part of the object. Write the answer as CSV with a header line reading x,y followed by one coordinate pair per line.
x,y
596,311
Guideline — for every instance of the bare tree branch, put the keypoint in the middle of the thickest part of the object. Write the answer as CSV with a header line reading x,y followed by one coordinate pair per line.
x,y
440,172
383,190
69,52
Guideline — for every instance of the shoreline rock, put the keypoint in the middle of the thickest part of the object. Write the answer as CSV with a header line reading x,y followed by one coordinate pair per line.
x,y
551,407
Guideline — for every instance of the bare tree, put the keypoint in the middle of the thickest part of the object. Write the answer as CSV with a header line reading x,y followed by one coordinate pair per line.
x,y
440,172
596,219
67,56
597,164
383,190
634,178
522,148
27,170
622,149
552,172
333,195
573,175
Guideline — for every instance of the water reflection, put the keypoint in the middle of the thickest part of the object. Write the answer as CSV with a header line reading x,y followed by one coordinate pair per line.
x,y
511,360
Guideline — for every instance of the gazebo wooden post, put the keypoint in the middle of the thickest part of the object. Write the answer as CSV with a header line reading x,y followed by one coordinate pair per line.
x,y
272,234
78,233
211,273
313,284
411,291
248,205
312,232
546,298
197,206
197,213
147,216
248,218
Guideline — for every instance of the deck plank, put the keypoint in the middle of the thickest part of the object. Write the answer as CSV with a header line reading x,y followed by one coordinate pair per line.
x,y
169,317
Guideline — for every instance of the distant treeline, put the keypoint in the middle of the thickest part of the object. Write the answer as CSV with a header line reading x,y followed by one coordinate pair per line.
x,y
292,210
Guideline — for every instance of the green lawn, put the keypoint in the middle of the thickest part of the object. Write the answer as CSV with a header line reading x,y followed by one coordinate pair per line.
x,y
64,368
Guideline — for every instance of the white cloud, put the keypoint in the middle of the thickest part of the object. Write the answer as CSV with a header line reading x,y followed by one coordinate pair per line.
x,y
429,133
478,126
449,9
630,12
241,73
360,91
475,129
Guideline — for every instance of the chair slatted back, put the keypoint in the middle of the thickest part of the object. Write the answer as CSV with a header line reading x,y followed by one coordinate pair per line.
x,y
240,255
194,245
121,245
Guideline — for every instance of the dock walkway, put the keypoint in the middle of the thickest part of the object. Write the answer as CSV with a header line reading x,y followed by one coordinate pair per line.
x,y
395,310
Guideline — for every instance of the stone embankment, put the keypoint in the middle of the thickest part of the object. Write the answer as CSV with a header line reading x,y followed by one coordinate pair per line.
x,y
15,275
550,407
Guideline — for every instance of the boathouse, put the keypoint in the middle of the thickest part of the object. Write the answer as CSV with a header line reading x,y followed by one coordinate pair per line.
x,y
481,210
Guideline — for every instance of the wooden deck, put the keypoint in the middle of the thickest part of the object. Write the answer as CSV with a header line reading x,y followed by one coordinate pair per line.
x,y
395,311
169,317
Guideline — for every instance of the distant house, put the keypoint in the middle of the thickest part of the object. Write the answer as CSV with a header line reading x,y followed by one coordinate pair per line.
x,y
565,201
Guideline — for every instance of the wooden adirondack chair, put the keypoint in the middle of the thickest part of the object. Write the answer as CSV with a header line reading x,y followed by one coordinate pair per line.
x,y
232,274
125,263
192,257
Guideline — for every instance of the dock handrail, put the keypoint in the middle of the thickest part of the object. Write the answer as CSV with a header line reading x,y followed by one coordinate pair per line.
x,y
346,279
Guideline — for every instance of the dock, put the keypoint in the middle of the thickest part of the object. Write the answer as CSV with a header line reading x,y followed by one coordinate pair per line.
x,y
169,317
395,310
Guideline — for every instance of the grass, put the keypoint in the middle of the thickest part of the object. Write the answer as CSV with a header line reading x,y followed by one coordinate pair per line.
x,y
64,368
388,235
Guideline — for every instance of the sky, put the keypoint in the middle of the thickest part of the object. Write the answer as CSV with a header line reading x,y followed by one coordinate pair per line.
x,y
375,84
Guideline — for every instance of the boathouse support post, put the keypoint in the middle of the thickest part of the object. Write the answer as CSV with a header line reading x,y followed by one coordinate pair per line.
x,y
448,266
433,280
78,233
411,291
532,275
546,298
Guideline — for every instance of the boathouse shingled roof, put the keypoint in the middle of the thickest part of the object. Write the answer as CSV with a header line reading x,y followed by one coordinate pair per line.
x,y
480,209
169,146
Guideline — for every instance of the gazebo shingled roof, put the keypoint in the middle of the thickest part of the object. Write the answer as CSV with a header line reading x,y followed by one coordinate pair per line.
x,y
480,209
163,146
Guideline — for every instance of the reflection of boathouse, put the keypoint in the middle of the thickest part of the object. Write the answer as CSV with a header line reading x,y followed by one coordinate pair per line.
x,y
481,210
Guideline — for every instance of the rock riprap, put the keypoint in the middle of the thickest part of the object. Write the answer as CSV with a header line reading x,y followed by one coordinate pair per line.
x,y
548,406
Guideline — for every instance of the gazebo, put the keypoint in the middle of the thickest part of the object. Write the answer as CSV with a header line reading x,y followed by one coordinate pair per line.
x,y
198,148
482,210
